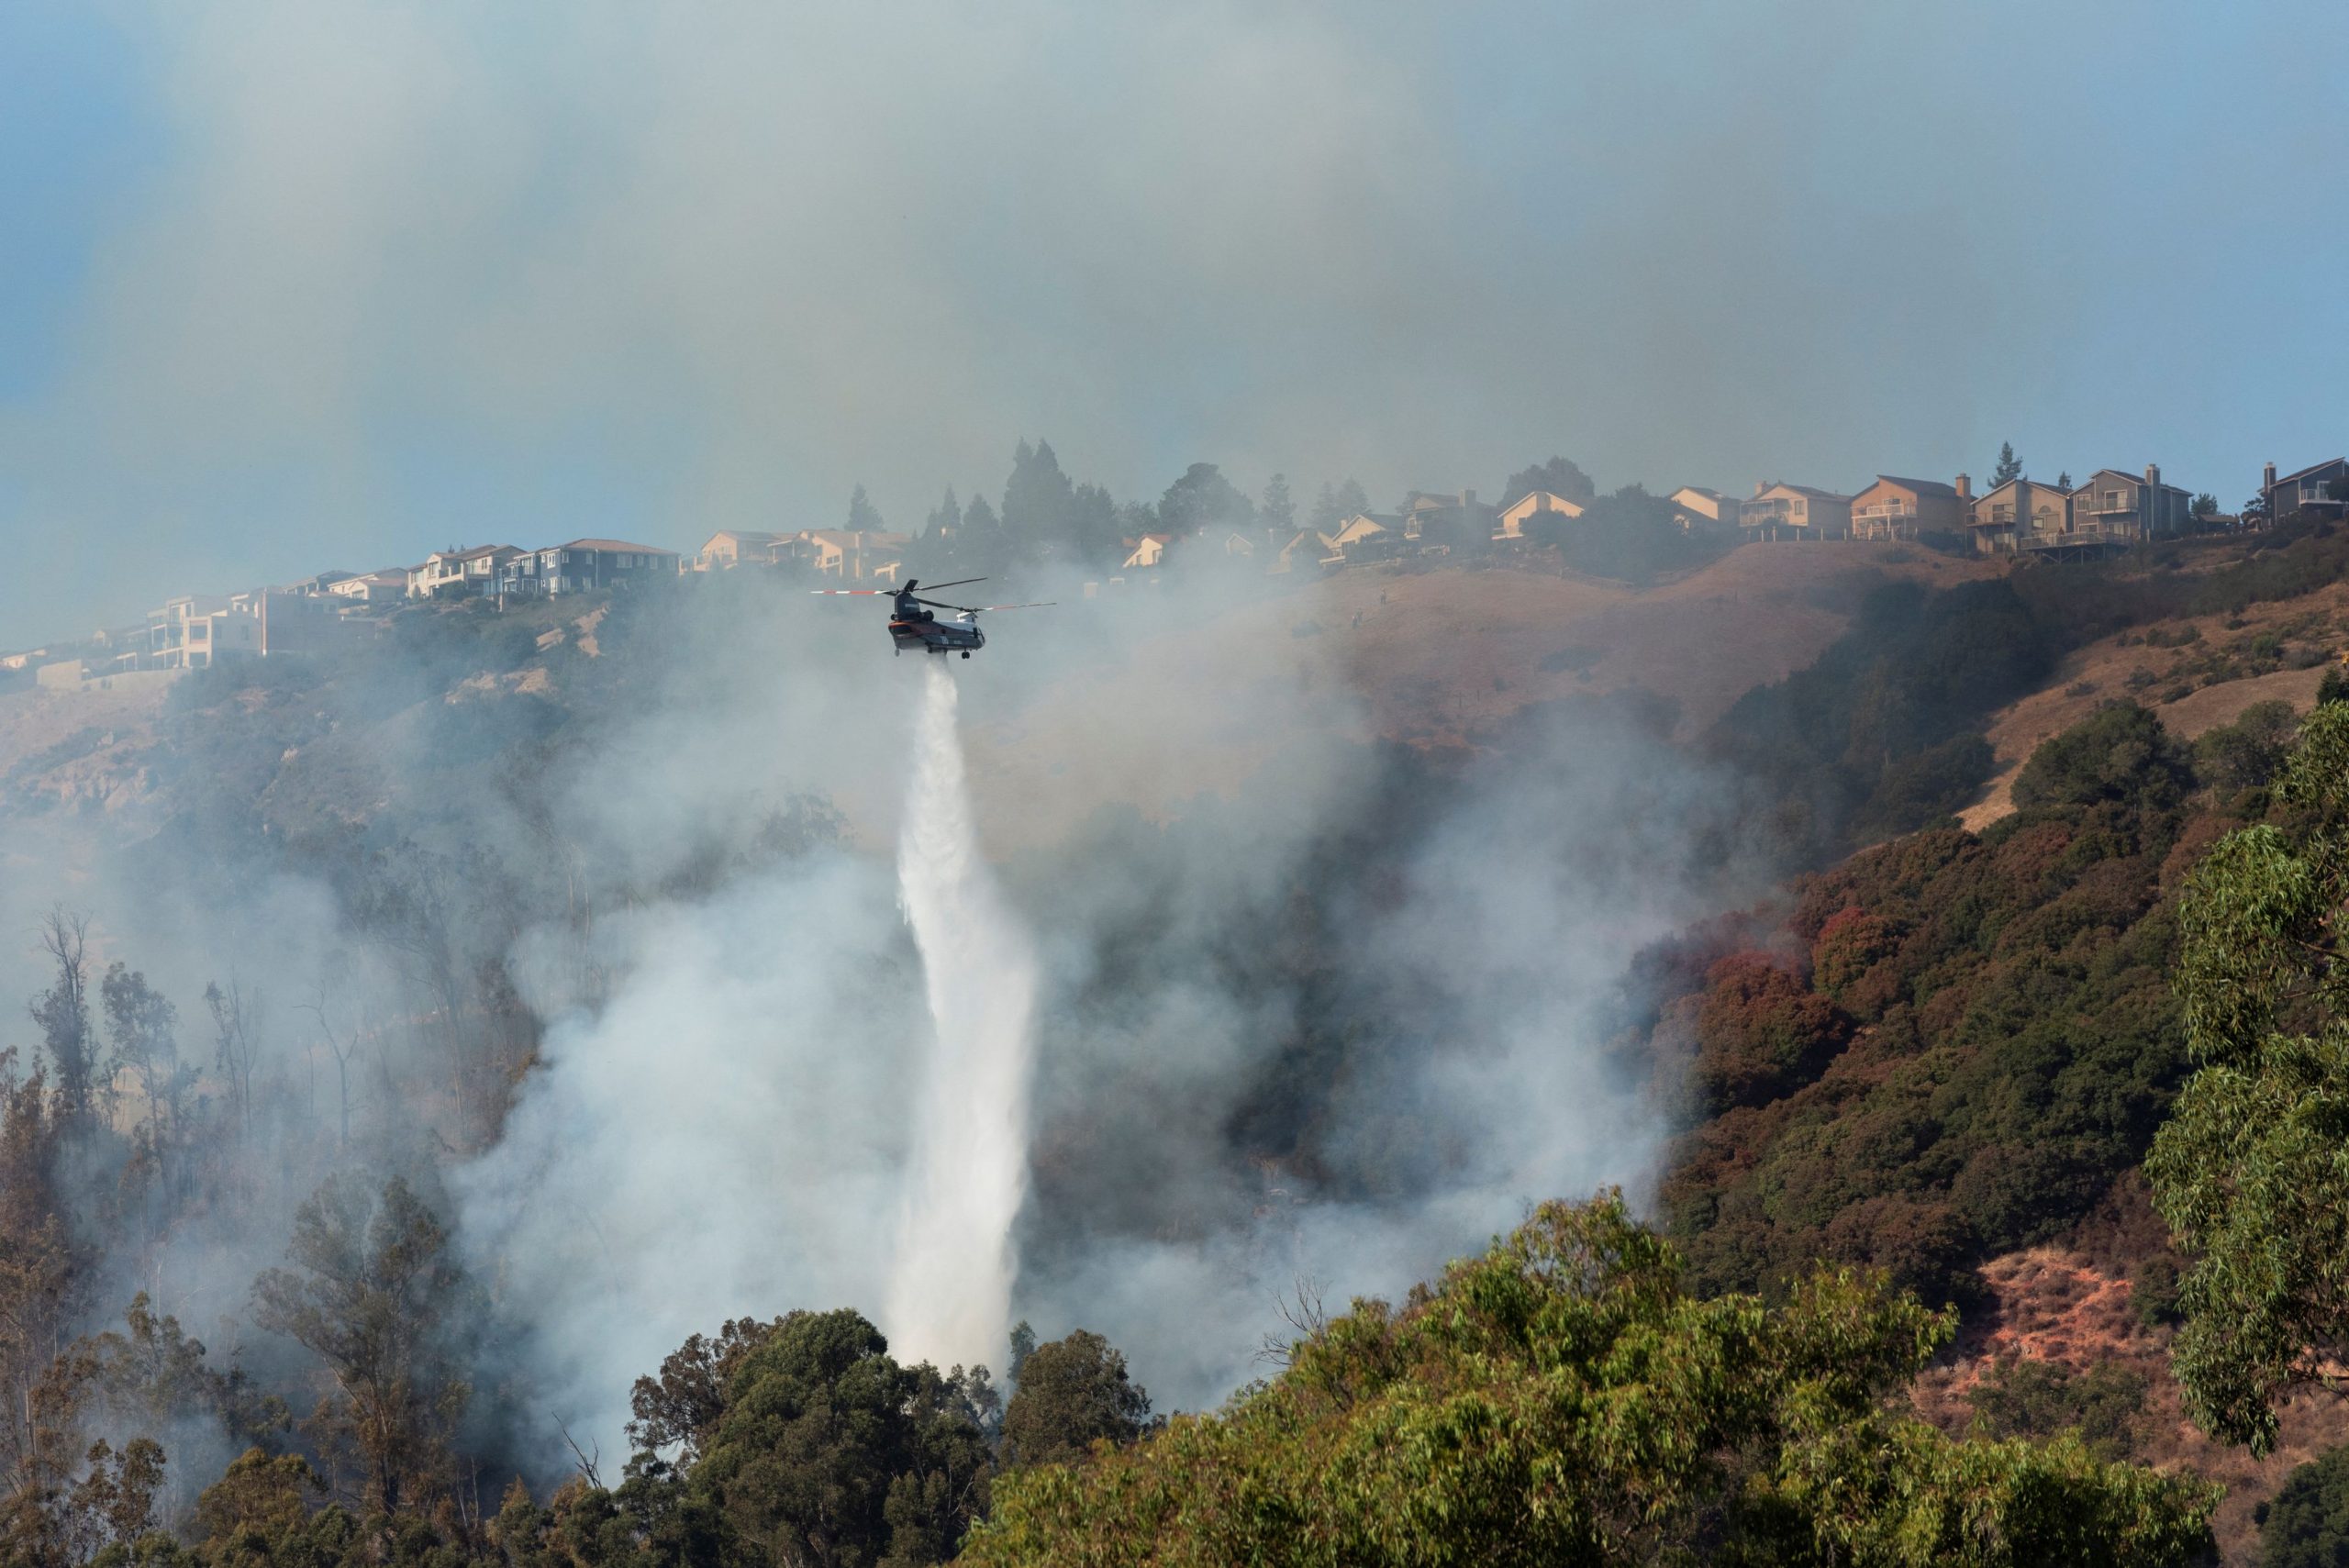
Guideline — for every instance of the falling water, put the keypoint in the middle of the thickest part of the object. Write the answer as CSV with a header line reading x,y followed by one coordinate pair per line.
x,y
949,1292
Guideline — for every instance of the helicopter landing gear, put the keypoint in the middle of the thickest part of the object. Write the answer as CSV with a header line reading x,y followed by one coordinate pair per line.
x,y
967,654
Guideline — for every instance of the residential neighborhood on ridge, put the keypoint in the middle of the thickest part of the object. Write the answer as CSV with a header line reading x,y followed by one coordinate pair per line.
x,y
2017,517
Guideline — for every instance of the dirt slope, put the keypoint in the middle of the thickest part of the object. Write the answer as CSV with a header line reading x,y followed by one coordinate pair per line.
x,y
2193,686
2050,1304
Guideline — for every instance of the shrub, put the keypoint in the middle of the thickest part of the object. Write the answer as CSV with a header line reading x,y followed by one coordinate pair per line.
x,y
2307,1524
2029,1398
2120,753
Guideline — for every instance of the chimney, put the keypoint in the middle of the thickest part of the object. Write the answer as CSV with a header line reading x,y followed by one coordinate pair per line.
x,y
1759,487
1965,487
2152,476
1467,500
2268,480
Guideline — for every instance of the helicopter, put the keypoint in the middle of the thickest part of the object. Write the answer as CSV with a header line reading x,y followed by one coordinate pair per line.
x,y
912,625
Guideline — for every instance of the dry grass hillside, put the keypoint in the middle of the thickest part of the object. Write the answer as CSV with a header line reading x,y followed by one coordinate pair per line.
x,y
2195,672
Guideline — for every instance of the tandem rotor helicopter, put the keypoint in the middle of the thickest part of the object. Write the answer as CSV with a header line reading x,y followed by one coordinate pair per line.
x,y
912,625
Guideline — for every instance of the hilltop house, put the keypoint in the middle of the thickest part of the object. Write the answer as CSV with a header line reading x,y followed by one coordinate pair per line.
x,y
1526,507
1443,520
196,631
2321,489
368,587
2020,515
1146,551
1307,546
2114,508
1368,535
729,548
1702,511
452,573
852,555
1795,511
1893,507
581,565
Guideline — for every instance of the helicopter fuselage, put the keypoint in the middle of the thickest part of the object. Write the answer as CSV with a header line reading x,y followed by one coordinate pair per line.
x,y
936,635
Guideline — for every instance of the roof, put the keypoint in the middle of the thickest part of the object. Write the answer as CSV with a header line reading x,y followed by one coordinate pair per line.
x,y
1922,487
1564,501
848,538
748,536
1803,490
1688,489
476,553
2303,473
612,544
2133,479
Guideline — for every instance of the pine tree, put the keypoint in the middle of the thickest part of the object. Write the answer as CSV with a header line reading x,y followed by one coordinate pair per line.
x,y
2010,466
1278,509
863,517
944,521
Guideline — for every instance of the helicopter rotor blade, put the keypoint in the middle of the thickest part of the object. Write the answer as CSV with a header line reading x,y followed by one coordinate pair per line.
x,y
883,593
958,581
1036,605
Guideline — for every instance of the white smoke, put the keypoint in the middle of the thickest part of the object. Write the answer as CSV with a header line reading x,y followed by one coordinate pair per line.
x,y
949,1292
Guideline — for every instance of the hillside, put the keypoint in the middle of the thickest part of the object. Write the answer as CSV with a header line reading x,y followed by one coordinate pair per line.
x,y
1430,658
2195,672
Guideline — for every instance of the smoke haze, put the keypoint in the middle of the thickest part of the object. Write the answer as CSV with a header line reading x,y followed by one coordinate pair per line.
x,y
366,280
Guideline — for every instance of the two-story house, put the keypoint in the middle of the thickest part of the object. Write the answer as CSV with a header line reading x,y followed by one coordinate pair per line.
x,y
452,573
729,548
1893,507
1794,511
371,586
852,555
2021,514
2321,490
1532,505
2126,508
582,565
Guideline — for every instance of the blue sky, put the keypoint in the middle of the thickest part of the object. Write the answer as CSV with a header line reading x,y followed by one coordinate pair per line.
x,y
290,287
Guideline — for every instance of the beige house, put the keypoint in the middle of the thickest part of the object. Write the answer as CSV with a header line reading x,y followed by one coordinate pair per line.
x,y
450,574
1517,513
854,555
1148,551
196,631
2022,514
1368,535
1893,507
368,587
1795,511
729,548
1309,546
1703,511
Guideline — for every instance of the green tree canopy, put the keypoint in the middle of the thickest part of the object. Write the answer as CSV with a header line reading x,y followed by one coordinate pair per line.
x,y
1562,1399
2120,753
1203,498
1072,1391
2306,1525
2009,466
1560,476
2249,1169
829,1453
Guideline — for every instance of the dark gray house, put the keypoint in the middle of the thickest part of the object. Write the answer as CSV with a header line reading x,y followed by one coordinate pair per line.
x,y
2321,489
